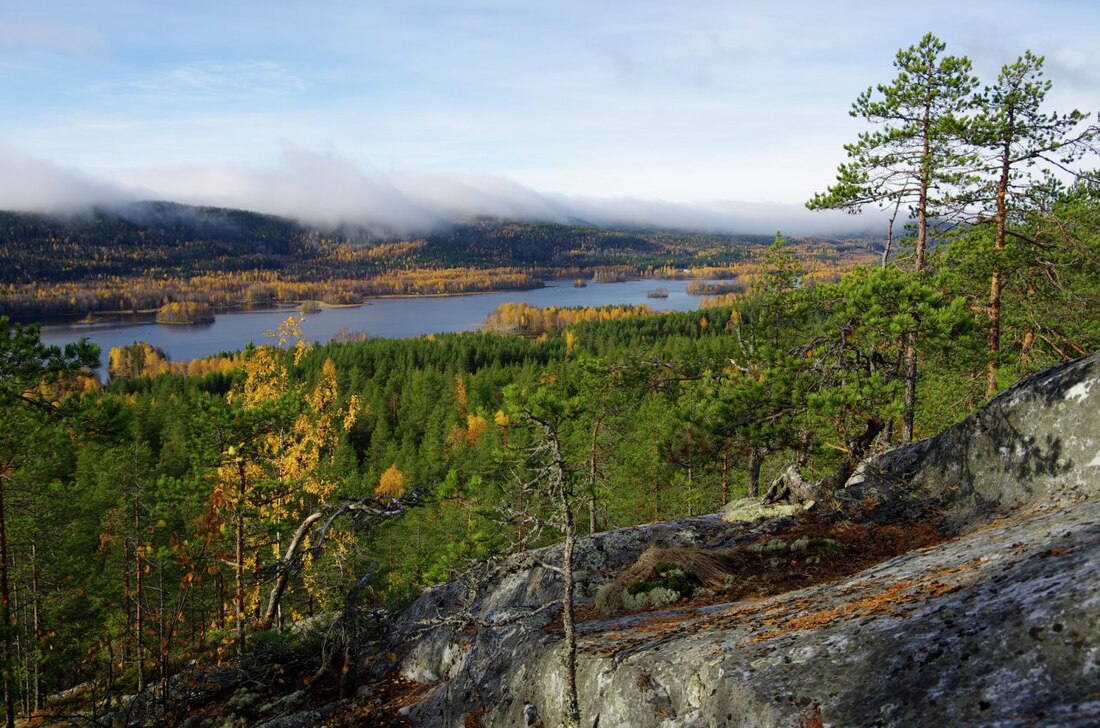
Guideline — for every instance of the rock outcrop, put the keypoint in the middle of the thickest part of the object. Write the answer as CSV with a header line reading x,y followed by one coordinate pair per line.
x,y
993,619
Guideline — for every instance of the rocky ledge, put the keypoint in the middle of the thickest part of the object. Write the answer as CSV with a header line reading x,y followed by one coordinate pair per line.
x,y
952,582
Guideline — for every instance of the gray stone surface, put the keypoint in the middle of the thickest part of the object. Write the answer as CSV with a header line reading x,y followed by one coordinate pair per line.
x,y
997,626
1036,445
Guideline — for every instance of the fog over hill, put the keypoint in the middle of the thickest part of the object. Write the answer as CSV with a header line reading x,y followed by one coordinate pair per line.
x,y
327,190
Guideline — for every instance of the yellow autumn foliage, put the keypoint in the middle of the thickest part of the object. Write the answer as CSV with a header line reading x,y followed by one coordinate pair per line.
x,y
391,485
475,428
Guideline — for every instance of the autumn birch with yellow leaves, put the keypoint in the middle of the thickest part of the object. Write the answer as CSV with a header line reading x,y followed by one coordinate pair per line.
x,y
272,472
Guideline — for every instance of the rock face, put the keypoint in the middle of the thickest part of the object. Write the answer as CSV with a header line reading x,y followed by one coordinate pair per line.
x,y
1037,445
998,624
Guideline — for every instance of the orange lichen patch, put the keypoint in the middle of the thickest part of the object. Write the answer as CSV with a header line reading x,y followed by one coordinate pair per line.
x,y
473,718
761,575
665,623
811,718
889,600
688,620
401,693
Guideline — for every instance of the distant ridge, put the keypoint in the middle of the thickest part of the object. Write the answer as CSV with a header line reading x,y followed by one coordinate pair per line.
x,y
140,255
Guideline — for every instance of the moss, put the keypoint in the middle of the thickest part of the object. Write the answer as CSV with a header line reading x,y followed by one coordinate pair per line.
x,y
665,576
752,511
765,547
656,597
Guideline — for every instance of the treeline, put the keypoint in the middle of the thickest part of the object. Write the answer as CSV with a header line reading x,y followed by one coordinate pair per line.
x,y
145,239
710,288
185,312
227,291
527,320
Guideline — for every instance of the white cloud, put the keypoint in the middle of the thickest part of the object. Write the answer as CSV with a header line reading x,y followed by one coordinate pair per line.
x,y
35,185
325,188
254,78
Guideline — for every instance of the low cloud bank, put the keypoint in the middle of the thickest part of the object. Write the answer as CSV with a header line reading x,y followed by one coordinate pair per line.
x,y
328,190
32,184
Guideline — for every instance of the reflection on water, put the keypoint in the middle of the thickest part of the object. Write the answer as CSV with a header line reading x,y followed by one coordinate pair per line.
x,y
380,318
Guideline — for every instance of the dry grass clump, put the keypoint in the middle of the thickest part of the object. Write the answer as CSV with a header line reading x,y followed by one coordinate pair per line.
x,y
812,551
711,569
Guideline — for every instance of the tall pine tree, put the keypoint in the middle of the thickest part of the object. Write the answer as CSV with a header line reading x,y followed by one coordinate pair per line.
x,y
911,157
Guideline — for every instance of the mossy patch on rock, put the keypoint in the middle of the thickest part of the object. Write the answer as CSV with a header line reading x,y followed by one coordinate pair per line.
x,y
752,511
667,571
666,576
656,597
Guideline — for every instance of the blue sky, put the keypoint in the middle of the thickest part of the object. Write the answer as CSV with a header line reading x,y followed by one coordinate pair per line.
x,y
406,110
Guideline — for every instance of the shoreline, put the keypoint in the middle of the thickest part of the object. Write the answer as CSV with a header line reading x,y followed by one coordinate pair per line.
x,y
146,316
131,316
389,319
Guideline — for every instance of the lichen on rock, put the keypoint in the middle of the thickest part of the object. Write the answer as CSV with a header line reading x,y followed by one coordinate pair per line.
x,y
988,616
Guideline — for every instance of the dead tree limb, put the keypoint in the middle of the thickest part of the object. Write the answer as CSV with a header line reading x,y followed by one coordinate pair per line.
x,y
373,509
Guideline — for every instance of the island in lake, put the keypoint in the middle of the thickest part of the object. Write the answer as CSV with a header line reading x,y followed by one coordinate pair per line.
x,y
178,313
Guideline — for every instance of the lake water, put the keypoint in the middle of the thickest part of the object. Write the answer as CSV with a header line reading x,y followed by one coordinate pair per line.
x,y
381,318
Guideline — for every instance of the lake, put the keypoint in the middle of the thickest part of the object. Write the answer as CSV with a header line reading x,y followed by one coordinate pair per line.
x,y
380,317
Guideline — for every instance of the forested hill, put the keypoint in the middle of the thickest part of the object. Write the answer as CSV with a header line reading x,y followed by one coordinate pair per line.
x,y
156,238
143,238
142,255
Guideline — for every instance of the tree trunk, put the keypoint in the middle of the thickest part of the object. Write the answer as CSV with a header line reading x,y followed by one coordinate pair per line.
x,y
910,389
592,474
19,656
139,616
996,282
572,704
127,603
163,637
725,479
910,404
890,236
283,574
857,450
36,622
925,178
559,488
5,616
238,567
690,493
753,467
220,580
994,337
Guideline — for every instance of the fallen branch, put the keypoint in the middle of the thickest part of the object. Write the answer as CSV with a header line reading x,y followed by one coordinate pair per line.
x,y
372,508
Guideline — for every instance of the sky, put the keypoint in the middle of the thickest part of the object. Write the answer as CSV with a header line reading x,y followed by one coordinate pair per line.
x,y
721,115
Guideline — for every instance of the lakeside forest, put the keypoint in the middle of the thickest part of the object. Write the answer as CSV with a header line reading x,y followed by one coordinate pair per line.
x,y
173,515
156,255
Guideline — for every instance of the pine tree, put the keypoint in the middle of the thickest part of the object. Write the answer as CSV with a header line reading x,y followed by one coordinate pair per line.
x,y
1019,146
914,158
25,366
